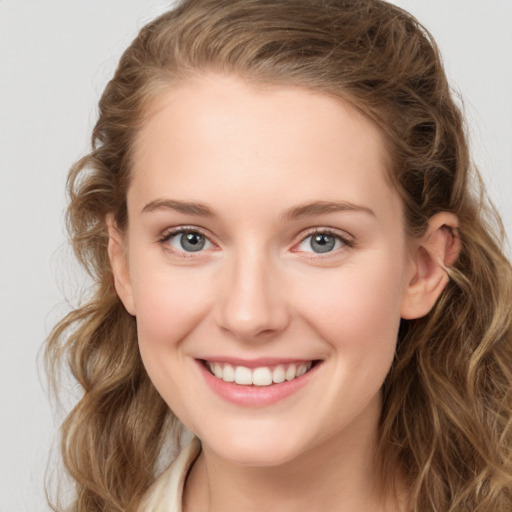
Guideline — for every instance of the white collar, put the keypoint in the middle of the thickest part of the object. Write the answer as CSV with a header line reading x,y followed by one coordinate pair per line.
x,y
166,492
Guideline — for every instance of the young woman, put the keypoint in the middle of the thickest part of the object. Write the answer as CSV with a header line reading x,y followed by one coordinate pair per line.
x,y
293,260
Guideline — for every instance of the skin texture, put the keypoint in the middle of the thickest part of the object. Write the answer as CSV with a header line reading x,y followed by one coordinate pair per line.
x,y
257,289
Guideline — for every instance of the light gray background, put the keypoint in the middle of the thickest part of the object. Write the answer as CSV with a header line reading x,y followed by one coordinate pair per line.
x,y
55,58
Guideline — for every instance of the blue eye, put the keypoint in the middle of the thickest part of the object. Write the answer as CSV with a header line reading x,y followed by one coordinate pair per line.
x,y
187,241
321,243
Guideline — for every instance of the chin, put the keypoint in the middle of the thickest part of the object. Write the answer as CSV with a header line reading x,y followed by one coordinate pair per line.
x,y
259,448
258,456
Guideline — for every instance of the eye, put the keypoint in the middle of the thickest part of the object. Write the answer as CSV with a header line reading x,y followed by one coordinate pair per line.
x,y
186,240
322,242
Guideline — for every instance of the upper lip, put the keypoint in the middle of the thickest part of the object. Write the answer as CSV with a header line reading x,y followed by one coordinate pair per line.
x,y
258,362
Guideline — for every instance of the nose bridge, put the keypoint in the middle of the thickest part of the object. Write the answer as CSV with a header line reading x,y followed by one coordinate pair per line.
x,y
253,306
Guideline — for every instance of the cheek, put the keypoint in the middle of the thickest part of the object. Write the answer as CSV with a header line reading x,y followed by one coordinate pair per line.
x,y
357,308
169,304
352,311
357,313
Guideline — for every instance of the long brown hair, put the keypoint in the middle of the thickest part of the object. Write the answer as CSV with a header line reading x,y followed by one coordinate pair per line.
x,y
447,412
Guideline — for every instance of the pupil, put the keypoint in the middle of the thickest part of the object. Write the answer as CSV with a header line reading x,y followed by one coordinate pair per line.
x,y
192,242
322,243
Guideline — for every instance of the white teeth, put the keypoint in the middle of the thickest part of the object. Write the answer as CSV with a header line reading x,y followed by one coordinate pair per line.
x,y
278,374
301,370
290,372
217,370
261,376
228,374
243,375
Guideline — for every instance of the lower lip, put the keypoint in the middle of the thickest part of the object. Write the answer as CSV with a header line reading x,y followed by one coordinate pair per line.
x,y
255,396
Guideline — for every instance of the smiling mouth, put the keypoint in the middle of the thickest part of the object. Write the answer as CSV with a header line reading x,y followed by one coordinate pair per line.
x,y
260,376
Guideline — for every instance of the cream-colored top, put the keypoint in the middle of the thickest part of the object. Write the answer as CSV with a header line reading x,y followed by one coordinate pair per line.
x,y
166,493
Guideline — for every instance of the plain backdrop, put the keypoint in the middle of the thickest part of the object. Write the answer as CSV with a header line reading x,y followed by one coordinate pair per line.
x,y
55,58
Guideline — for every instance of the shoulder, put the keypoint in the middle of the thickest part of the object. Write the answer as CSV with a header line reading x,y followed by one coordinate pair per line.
x,y
165,494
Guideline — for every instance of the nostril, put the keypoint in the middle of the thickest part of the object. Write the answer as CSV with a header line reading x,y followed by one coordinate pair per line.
x,y
266,333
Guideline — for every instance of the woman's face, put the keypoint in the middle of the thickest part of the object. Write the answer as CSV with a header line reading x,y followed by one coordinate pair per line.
x,y
264,239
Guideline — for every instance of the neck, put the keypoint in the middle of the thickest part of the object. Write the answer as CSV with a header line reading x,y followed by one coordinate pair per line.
x,y
339,474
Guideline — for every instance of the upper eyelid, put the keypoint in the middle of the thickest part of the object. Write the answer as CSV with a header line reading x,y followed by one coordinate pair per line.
x,y
171,231
341,234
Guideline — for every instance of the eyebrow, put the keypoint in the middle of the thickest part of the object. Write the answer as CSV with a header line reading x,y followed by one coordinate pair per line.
x,y
186,207
306,210
300,211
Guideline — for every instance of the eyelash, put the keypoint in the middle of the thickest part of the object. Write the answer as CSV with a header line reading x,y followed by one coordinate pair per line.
x,y
346,242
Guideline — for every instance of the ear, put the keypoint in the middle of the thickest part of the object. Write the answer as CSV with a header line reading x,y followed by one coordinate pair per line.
x,y
432,254
119,263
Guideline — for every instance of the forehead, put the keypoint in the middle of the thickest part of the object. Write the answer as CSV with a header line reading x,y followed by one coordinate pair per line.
x,y
219,136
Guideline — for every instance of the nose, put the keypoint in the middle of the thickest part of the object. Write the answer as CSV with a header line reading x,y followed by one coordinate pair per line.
x,y
253,307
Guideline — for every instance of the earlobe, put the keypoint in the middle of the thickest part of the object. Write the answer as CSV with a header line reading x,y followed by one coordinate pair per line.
x,y
119,263
434,253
